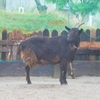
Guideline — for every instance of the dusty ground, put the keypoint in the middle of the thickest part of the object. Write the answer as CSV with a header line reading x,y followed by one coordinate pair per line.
x,y
47,88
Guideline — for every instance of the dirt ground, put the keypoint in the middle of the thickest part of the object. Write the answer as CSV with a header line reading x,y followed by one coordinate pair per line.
x,y
47,88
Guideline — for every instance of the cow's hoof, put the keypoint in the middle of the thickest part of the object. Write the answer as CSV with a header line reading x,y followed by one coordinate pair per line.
x,y
29,82
64,83
73,74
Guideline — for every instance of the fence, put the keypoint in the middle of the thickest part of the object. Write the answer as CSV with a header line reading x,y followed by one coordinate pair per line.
x,y
7,46
9,43
92,52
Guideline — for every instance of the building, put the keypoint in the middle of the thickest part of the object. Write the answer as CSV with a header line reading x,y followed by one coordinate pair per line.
x,y
22,5
3,4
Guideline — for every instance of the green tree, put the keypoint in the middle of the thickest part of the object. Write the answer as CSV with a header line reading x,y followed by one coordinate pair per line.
x,y
41,8
59,3
85,8
79,7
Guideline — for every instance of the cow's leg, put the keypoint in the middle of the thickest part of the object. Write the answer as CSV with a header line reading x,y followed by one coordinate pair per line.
x,y
63,71
27,69
72,71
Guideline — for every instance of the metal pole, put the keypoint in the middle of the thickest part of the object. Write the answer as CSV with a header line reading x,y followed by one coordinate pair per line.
x,y
69,13
20,3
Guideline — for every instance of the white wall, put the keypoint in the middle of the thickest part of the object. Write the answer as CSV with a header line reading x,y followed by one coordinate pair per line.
x,y
13,5
29,5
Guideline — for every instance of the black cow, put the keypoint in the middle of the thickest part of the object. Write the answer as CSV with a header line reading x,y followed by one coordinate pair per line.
x,y
41,50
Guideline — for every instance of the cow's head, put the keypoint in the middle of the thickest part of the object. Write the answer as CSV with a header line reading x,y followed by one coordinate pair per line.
x,y
74,33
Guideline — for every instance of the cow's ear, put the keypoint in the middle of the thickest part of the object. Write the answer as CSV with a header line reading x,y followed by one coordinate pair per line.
x,y
67,28
80,31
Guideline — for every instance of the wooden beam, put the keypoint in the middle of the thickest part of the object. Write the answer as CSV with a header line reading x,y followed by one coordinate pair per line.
x,y
88,52
14,52
4,49
8,42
